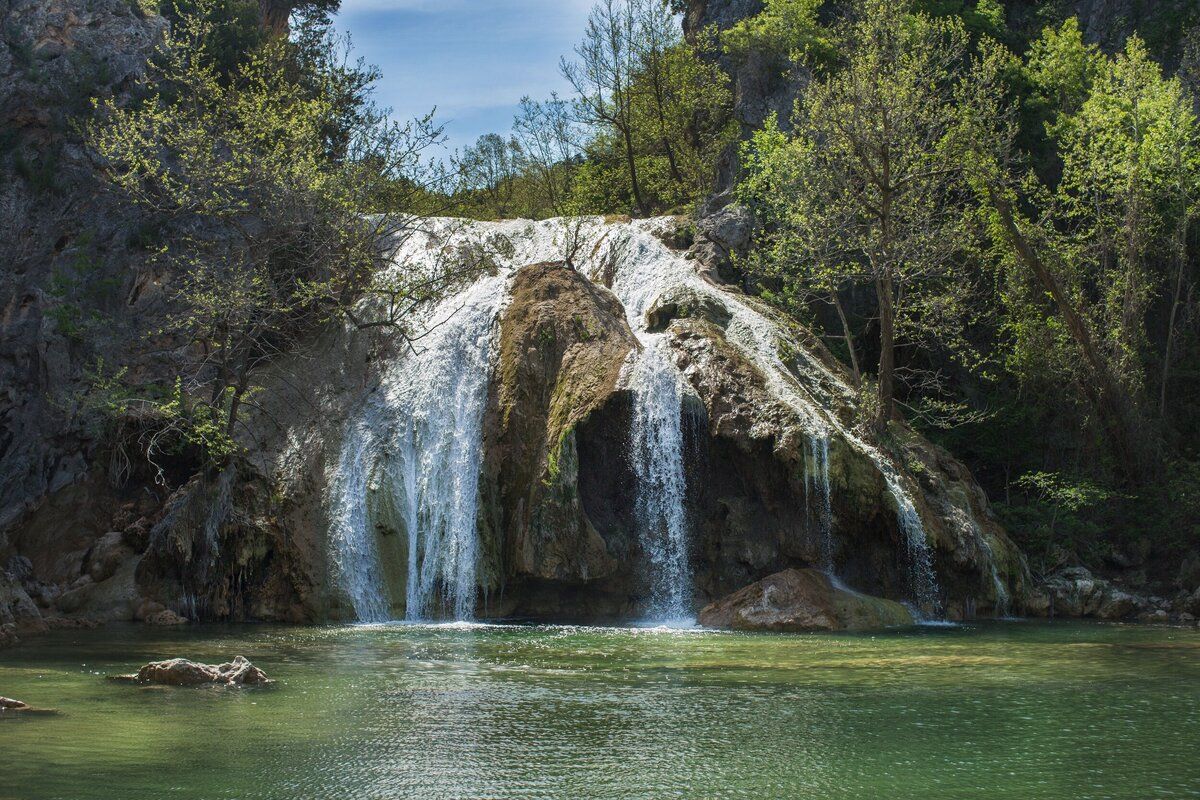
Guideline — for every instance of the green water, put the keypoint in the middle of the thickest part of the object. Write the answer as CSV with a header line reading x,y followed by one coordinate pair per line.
x,y
1001,710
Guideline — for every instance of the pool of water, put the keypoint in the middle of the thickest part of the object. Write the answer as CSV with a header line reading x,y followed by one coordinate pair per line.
x,y
997,710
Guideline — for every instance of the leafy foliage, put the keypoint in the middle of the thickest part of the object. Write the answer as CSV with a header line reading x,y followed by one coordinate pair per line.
x,y
262,171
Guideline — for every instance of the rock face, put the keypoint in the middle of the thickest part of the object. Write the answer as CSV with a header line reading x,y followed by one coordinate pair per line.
x,y
182,672
18,613
560,515
1075,592
798,600
563,340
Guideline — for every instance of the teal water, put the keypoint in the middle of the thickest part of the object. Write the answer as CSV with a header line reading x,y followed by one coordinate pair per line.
x,y
996,710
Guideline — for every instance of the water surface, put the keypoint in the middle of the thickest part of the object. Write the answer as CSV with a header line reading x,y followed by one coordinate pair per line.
x,y
997,710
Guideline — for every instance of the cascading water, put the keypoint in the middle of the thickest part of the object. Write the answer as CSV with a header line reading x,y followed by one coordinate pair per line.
x,y
657,449
643,271
816,487
411,462
923,579
356,557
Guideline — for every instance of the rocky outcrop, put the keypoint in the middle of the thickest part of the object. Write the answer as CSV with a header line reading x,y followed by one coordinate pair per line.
x,y
563,340
798,600
752,459
18,613
1076,592
182,672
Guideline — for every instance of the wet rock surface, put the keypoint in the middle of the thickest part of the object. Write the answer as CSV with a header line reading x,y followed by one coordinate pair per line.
x,y
563,340
182,672
799,600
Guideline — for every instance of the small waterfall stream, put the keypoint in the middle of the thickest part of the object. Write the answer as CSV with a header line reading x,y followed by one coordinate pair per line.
x,y
922,578
816,486
656,445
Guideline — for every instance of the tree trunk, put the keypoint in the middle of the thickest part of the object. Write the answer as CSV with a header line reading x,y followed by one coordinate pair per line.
x,y
639,207
848,336
887,353
1111,401
1181,262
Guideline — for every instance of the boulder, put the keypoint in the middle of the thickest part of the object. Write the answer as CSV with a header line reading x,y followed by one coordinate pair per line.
x,y
684,302
802,600
1076,592
182,672
10,706
18,612
8,635
107,555
165,617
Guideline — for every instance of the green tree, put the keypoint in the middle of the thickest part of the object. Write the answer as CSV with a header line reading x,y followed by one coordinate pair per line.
x,y
266,226
603,74
490,170
547,137
1100,244
867,191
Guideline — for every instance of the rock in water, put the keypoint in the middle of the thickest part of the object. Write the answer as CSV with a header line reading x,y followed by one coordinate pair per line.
x,y
10,706
802,600
182,672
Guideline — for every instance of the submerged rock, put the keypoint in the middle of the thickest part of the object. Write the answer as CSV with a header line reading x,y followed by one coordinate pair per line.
x,y
802,600
10,706
182,672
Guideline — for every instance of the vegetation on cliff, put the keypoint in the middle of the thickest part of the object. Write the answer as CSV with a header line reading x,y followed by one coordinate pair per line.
x,y
274,191
1011,237
642,132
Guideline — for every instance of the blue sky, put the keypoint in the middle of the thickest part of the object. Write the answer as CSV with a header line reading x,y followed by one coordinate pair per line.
x,y
473,59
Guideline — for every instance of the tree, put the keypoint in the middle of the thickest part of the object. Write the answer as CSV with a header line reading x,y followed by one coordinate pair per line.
x,y
490,169
1103,240
602,77
274,15
547,136
267,229
682,112
867,191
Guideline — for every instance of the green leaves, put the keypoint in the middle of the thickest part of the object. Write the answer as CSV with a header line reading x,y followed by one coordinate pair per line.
x,y
784,29
278,190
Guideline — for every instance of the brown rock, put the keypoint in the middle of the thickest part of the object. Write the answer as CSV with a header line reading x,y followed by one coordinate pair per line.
x,y
165,617
10,706
563,341
802,600
182,672
107,555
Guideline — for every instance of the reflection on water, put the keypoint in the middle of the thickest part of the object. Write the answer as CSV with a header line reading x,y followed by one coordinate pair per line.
x,y
470,710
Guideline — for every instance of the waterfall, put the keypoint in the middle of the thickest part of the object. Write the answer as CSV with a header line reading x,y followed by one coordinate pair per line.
x,y
411,462
643,269
816,481
356,557
657,455
922,578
